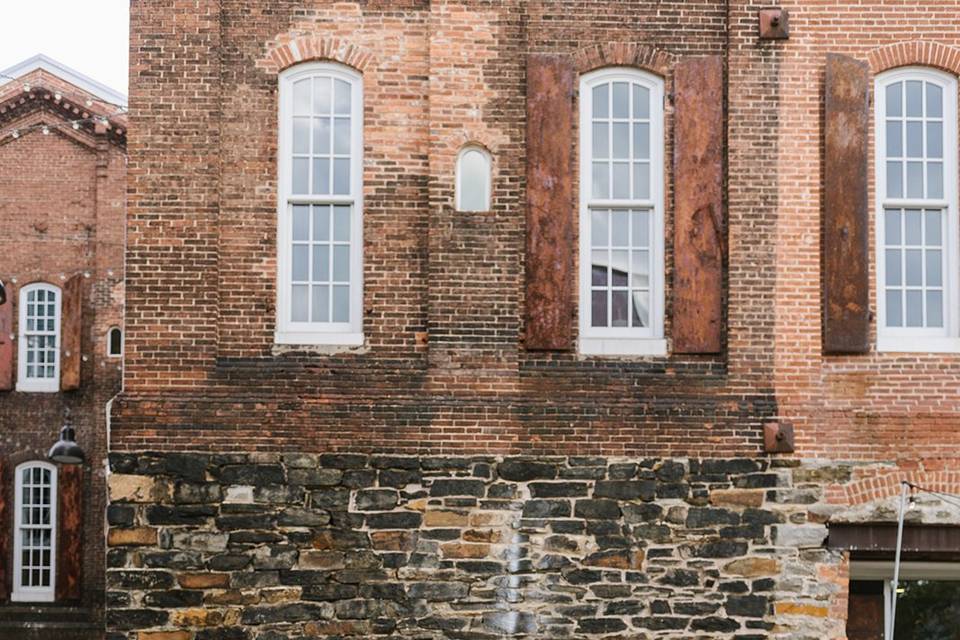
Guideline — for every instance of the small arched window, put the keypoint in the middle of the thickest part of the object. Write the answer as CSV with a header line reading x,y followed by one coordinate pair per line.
x,y
39,351
114,342
473,179
35,531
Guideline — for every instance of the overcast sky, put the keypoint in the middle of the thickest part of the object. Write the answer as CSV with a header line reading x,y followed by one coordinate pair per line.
x,y
89,37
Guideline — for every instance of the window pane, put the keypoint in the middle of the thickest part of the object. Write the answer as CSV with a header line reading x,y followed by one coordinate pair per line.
x,y
599,230
641,140
914,267
321,303
934,101
894,139
641,229
301,261
601,101
301,97
301,222
321,136
341,135
321,222
619,268
620,234
894,179
641,180
321,263
621,180
934,308
301,175
934,268
298,303
341,303
341,176
621,100
914,308
894,308
641,269
934,139
641,102
895,99
341,263
598,268
321,95
914,139
601,180
341,223
601,140
621,140
474,177
598,308
891,226
341,97
935,180
892,267
619,302
913,225
932,227
321,175
641,308
301,135
914,179
914,98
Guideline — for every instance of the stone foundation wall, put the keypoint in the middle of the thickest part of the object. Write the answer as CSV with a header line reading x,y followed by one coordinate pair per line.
x,y
269,546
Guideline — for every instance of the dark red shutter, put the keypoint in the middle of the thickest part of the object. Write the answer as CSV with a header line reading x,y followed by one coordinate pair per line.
x,y
69,531
846,313
6,532
71,327
698,234
550,245
6,344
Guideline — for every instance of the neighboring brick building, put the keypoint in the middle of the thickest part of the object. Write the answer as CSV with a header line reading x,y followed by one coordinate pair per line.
x,y
460,427
62,197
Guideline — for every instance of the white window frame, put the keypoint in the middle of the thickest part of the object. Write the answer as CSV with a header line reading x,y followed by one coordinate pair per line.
x,y
919,339
19,593
110,353
37,385
317,333
623,341
488,184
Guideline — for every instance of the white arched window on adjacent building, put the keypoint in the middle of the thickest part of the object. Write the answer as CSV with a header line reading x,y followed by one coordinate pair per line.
x,y
621,213
473,179
35,531
320,211
38,355
916,223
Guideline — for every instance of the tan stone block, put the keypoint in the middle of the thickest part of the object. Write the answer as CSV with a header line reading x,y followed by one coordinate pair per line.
x,y
337,628
801,609
465,550
281,594
481,535
232,596
445,519
321,560
737,497
487,519
753,567
129,488
196,617
203,580
420,504
165,635
392,540
138,536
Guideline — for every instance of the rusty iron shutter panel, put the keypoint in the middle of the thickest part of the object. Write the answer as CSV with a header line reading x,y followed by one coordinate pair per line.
x,y
71,326
550,239
69,531
846,313
6,345
6,533
698,233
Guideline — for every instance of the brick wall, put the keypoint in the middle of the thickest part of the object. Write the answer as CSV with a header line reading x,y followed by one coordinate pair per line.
x,y
62,211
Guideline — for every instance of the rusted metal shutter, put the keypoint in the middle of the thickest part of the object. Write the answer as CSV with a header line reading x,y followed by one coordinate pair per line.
x,y
6,532
69,531
846,313
71,326
550,244
698,234
6,345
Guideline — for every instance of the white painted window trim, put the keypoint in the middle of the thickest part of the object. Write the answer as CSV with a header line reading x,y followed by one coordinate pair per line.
x,y
315,333
623,341
110,353
37,385
488,184
918,339
20,593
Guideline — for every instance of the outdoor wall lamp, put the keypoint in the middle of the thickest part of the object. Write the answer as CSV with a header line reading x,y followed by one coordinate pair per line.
x,y
66,450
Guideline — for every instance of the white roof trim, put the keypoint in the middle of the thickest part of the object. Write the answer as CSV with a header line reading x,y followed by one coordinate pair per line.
x,y
63,72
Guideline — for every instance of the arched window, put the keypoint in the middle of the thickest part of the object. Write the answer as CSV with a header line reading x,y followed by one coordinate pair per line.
x,y
473,179
35,527
916,227
114,342
621,213
39,350
320,230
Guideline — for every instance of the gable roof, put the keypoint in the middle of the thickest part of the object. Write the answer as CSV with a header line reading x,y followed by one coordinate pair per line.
x,y
65,73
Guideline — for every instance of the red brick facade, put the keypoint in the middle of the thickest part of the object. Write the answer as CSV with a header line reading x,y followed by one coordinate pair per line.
x,y
62,206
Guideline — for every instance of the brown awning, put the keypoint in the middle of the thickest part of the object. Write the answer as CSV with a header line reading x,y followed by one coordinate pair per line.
x,y
864,541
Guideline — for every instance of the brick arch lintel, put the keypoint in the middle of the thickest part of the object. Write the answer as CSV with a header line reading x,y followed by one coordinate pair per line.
x,y
887,485
290,49
632,54
914,52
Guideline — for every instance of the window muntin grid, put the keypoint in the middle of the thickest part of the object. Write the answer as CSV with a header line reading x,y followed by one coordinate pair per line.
x,y
320,265
34,551
914,267
39,338
321,136
621,220
914,139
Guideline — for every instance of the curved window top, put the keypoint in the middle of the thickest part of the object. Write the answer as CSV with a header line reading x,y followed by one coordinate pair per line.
x,y
114,342
473,179
39,327
35,532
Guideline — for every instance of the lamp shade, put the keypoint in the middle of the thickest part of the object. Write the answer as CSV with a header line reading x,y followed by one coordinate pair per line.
x,y
66,450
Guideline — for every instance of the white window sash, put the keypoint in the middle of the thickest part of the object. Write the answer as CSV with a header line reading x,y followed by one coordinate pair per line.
x,y
319,333
622,341
944,339
488,177
20,593
34,384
